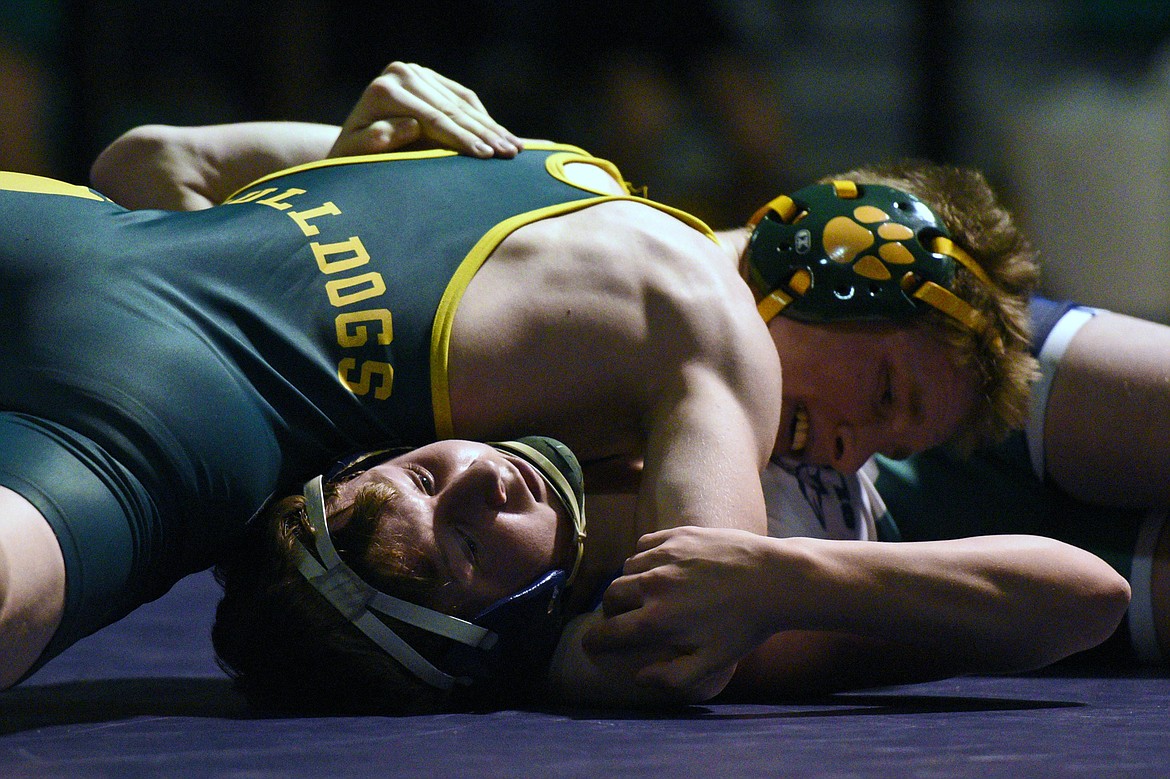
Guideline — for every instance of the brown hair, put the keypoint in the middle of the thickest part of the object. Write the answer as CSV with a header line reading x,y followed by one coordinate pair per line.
x,y
287,648
966,204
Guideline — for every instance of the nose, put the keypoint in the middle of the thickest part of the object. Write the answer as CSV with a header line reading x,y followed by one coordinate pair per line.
x,y
852,447
857,441
478,492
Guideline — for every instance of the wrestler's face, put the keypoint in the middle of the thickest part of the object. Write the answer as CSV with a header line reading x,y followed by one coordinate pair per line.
x,y
853,390
484,521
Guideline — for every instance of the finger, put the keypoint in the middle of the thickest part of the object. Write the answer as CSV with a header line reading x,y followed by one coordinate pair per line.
x,y
623,633
462,92
444,122
684,677
376,138
622,595
472,99
652,540
464,99
644,561
681,672
650,552
450,113
467,129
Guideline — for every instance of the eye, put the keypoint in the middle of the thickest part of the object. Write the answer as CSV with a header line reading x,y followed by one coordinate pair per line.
x,y
422,477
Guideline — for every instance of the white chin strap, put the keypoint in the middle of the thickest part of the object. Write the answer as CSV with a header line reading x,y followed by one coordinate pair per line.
x,y
357,601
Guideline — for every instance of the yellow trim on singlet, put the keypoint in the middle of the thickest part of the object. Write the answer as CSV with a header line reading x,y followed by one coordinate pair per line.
x,y
555,165
445,315
26,182
398,155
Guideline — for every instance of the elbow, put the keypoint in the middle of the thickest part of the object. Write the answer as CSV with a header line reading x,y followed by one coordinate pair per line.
x,y
1078,621
152,166
125,152
1105,606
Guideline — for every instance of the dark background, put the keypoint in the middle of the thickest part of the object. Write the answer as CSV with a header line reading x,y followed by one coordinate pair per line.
x,y
717,106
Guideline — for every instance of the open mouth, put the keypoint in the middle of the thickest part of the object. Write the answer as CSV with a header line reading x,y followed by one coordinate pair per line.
x,y
799,429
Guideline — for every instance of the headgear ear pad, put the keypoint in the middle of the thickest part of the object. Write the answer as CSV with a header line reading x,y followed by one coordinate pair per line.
x,y
528,624
843,251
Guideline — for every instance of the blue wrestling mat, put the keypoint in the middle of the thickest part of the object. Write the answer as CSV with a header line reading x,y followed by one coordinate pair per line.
x,y
145,698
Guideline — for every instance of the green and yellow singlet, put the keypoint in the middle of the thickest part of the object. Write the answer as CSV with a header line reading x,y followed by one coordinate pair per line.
x,y
162,374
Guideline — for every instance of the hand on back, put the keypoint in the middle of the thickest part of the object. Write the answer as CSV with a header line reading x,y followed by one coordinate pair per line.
x,y
410,104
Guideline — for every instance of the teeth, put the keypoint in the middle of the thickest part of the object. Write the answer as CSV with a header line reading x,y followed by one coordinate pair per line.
x,y
799,430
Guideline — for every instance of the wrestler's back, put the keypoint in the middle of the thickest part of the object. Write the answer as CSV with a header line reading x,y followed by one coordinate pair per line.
x,y
223,354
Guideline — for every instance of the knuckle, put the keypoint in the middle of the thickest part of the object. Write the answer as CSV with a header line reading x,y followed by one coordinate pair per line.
x,y
381,88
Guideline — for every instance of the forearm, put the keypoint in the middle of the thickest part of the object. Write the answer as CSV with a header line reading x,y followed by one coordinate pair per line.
x,y
804,664
990,604
188,168
802,614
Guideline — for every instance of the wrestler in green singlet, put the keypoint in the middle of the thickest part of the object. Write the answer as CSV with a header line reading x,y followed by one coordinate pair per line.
x,y
162,374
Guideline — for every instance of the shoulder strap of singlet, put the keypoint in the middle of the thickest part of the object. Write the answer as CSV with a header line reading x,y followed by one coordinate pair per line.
x,y
1053,326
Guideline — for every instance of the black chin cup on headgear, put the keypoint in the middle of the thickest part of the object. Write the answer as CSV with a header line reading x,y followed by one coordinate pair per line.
x,y
527,625
561,471
559,457
843,251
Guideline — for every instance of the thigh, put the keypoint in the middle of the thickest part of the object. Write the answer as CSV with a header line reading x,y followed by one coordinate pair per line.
x,y
1107,432
32,585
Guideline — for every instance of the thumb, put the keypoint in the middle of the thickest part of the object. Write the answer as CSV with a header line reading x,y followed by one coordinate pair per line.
x,y
381,136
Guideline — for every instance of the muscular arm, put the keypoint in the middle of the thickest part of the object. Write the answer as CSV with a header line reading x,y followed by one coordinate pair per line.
x,y
189,168
1107,432
700,469
838,614
703,458
709,431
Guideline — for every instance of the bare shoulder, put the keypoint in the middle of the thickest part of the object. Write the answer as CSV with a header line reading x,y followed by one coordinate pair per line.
x,y
1109,404
688,283
626,286
628,239
644,268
